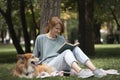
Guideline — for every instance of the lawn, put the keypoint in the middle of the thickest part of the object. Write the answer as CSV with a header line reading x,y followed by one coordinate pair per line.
x,y
107,57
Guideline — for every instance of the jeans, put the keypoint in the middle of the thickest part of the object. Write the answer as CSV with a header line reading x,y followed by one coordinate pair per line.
x,y
64,60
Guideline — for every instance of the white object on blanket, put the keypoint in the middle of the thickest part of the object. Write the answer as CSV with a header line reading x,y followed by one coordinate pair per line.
x,y
57,73
45,74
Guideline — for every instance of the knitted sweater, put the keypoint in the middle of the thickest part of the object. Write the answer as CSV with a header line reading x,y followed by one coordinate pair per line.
x,y
46,47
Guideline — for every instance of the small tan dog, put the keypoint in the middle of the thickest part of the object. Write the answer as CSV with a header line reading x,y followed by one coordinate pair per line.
x,y
27,66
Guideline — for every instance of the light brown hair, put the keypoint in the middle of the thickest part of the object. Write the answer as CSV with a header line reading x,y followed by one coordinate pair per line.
x,y
53,22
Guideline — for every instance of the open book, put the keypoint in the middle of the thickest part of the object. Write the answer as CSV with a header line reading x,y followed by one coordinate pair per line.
x,y
67,46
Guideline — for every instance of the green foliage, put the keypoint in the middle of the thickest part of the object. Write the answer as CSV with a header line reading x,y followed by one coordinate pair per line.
x,y
3,25
16,13
70,5
102,10
72,26
36,9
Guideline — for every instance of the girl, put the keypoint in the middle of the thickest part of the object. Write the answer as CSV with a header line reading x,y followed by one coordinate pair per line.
x,y
46,47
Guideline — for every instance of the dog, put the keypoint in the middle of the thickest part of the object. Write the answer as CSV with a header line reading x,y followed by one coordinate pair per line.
x,y
27,67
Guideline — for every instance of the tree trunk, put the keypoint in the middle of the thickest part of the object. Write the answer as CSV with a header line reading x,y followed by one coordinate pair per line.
x,y
2,36
89,30
24,26
34,22
19,34
13,36
81,18
85,8
48,8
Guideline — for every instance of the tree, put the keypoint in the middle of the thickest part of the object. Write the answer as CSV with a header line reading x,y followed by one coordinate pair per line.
x,y
108,11
48,8
85,9
8,19
24,26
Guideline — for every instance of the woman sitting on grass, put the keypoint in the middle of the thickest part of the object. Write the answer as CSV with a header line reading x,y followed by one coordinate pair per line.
x,y
46,47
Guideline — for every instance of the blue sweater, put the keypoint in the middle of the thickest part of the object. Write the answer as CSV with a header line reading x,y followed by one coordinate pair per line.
x,y
46,47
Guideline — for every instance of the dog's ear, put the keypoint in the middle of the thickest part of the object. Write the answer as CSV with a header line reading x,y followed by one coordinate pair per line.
x,y
21,57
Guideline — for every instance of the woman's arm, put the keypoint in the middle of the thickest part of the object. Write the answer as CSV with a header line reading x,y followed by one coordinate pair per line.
x,y
36,51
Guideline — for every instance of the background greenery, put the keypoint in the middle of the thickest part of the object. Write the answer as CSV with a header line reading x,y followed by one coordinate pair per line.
x,y
107,57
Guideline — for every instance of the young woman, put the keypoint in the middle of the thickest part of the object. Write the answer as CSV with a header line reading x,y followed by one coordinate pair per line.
x,y
46,47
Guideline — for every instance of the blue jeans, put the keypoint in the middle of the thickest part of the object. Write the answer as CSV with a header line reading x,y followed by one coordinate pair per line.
x,y
64,60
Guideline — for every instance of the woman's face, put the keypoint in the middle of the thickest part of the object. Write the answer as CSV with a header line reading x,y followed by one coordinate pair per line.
x,y
56,30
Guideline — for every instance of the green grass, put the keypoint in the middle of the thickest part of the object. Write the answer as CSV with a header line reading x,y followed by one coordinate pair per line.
x,y
107,57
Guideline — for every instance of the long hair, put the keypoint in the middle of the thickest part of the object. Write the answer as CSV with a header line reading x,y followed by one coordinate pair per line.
x,y
53,22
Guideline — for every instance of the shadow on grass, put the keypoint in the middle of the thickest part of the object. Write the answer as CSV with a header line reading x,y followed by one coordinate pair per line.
x,y
8,52
8,57
107,52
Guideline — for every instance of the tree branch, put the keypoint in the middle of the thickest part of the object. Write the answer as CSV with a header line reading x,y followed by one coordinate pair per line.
x,y
8,11
2,12
114,16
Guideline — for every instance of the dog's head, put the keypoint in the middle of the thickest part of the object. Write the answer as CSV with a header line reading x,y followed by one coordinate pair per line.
x,y
28,59
25,65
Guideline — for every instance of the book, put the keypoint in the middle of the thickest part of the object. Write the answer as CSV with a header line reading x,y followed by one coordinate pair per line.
x,y
67,46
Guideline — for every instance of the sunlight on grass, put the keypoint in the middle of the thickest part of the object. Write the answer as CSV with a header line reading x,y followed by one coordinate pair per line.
x,y
107,46
107,49
8,50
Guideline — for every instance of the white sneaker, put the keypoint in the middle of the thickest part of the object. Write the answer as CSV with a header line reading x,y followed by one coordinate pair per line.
x,y
85,73
99,73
